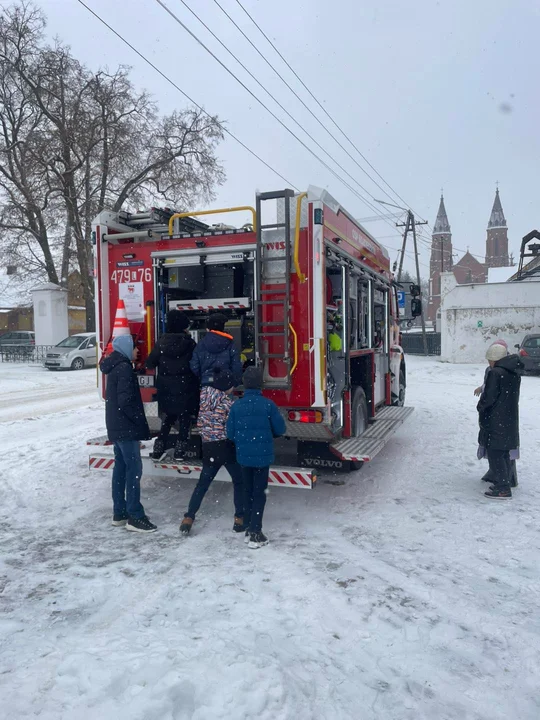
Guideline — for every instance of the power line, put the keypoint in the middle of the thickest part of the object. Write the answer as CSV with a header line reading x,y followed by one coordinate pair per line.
x,y
320,104
258,100
171,82
280,76
182,92
278,103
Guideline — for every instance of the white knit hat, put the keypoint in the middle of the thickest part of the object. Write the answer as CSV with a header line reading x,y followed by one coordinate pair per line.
x,y
496,352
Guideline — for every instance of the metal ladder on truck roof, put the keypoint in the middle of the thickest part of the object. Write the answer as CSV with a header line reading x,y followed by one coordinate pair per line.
x,y
273,290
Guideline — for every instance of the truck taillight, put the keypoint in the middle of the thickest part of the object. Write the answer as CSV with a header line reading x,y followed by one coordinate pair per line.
x,y
306,416
523,353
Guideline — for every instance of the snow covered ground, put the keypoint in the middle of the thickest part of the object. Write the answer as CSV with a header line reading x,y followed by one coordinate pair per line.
x,y
401,595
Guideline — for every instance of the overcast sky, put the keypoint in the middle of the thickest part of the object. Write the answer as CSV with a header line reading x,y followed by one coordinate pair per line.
x,y
434,94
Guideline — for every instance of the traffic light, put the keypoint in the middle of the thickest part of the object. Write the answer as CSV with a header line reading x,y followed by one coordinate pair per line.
x,y
415,291
416,306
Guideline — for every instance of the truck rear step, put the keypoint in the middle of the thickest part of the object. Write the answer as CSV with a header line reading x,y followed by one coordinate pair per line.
x,y
366,447
299,478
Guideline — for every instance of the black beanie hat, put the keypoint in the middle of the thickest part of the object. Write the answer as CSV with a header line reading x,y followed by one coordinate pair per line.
x,y
177,321
217,321
222,379
253,378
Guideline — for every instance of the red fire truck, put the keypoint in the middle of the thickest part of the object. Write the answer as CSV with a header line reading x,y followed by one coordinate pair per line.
x,y
309,297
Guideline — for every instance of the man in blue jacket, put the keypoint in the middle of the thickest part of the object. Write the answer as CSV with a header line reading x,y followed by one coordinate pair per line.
x,y
216,349
254,422
126,427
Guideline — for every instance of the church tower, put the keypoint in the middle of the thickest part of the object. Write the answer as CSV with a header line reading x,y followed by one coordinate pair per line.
x,y
441,259
497,236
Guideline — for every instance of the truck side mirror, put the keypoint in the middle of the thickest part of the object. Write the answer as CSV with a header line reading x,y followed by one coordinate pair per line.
x,y
416,307
415,291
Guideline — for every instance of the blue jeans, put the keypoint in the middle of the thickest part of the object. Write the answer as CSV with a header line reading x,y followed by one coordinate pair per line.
x,y
126,479
208,473
255,485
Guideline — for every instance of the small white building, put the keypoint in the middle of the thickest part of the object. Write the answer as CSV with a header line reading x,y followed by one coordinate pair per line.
x,y
50,313
473,316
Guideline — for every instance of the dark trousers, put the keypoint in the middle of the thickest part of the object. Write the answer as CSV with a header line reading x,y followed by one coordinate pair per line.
x,y
255,486
500,468
126,479
184,423
209,472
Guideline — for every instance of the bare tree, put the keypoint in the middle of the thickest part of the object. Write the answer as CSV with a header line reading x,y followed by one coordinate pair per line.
x,y
90,141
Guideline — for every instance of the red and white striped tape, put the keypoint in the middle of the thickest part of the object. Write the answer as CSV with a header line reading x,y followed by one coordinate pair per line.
x,y
232,306
287,477
281,478
97,463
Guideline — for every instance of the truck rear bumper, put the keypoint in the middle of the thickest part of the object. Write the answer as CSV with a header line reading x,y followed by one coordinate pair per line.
x,y
366,447
299,478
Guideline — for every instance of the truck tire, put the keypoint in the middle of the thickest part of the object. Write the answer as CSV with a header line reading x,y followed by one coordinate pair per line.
x,y
359,418
399,399
359,411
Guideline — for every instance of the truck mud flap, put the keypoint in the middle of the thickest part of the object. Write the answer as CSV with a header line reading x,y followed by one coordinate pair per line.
x,y
299,478
366,447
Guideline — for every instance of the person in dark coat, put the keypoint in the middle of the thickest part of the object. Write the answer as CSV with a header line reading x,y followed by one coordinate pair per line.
x,y
216,403
514,453
216,349
177,387
126,427
254,422
498,415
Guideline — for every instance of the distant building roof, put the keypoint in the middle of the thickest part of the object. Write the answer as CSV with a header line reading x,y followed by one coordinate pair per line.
x,y
468,260
531,271
500,274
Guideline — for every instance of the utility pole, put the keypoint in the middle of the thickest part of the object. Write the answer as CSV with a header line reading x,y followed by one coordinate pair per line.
x,y
422,318
410,226
404,244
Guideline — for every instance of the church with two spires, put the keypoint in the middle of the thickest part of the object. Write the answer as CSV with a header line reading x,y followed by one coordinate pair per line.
x,y
469,269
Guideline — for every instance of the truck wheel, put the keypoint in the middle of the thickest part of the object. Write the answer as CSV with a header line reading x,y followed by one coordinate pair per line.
x,y
359,412
399,399
77,364
359,417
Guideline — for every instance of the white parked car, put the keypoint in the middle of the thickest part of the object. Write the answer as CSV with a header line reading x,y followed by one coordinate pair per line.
x,y
74,353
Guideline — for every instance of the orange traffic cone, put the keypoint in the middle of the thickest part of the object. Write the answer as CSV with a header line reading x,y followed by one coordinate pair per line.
x,y
120,327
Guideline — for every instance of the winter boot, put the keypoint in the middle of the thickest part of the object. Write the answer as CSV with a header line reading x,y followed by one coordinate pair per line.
x,y
257,540
159,449
238,526
498,494
119,520
180,450
187,524
140,525
513,474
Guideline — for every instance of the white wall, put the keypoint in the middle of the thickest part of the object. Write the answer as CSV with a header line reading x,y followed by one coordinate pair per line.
x,y
50,314
508,310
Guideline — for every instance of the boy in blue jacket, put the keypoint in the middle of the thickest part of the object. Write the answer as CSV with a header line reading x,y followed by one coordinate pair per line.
x,y
254,422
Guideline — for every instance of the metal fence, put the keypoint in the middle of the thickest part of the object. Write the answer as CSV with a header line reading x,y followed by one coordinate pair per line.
x,y
24,353
413,343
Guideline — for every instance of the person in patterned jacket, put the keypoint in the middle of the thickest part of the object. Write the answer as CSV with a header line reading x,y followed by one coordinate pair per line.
x,y
215,405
